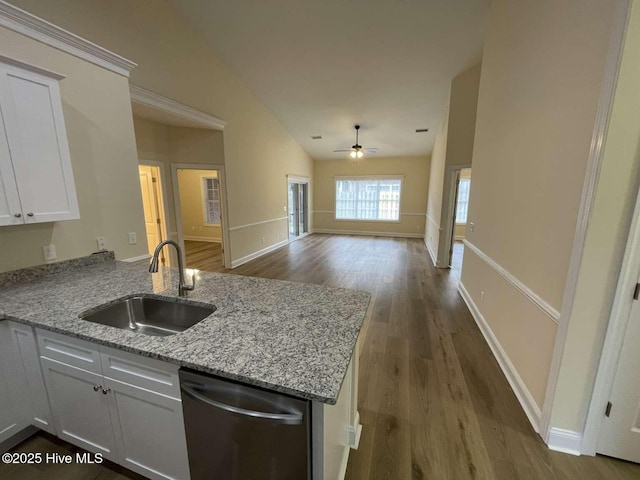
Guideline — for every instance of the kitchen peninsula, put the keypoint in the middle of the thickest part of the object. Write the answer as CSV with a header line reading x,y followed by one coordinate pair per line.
x,y
292,338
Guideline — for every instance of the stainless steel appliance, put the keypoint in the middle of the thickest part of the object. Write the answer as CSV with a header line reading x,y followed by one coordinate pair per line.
x,y
237,432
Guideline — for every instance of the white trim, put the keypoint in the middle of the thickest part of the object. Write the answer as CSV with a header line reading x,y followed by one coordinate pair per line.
x,y
203,239
239,227
433,257
298,179
536,299
354,431
368,234
565,441
259,253
596,153
614,337
458,238
157,102
529,405
342,472
31,68
413,214
29,25
226,241
139,258
370,177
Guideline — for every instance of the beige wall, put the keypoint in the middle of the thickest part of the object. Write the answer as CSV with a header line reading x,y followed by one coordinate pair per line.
x,y
435,187
97,113
413,196
453,146
541,77
605,242
192,206
175,62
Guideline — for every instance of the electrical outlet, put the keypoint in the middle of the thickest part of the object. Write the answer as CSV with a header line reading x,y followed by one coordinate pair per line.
x,y
471,226
101,244
49,252
133,238
285,209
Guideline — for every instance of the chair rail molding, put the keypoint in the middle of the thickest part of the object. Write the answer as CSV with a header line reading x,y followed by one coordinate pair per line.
x,y
27,24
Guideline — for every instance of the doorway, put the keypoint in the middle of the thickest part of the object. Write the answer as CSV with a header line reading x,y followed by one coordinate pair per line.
x,y
298,206
153,198
200,215
461,191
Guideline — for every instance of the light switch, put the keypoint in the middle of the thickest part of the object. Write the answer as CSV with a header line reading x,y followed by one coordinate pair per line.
x,y
49,252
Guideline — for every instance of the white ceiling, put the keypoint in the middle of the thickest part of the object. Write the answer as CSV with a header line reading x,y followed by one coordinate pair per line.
x,y
322,66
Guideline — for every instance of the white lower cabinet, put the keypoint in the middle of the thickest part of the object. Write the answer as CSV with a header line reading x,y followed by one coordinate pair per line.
x,y
128,422
149,431
80,408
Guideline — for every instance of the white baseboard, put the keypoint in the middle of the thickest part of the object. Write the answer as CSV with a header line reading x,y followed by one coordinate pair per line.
x,y
259,253
146,256
355,431
565,441
433,257
203,239
368,234
529,405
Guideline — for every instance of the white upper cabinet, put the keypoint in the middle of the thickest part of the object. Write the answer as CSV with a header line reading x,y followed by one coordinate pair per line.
x,y
36,180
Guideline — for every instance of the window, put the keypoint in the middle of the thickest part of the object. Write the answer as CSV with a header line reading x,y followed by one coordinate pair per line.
x,y
463,200
373,198
211,190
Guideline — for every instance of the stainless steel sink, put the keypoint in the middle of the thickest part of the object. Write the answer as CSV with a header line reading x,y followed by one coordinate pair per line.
x,y
150,315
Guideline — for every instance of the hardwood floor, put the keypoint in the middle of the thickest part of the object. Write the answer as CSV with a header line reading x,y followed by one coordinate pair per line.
x,y
434,403
205,256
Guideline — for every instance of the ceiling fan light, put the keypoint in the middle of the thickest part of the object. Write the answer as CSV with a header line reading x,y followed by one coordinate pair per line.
x,y
353,154
359,154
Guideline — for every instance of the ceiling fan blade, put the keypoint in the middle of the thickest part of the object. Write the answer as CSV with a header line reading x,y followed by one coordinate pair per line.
x,y
371,150
345,150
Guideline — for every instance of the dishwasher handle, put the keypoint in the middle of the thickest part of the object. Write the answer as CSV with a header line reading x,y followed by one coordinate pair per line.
x,y
282,418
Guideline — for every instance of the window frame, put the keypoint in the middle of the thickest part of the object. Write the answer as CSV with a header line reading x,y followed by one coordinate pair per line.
x,y
337,179
205,201
467,180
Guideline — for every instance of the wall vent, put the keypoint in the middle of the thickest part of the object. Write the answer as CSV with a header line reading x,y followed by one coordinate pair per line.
x,y
316,137
422,130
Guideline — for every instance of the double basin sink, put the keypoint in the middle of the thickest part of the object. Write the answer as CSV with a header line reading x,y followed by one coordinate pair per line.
x,y
149,314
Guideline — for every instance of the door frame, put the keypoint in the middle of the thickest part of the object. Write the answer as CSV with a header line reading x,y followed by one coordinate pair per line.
x,y
224,223
614,336
448,211
299,179
165,199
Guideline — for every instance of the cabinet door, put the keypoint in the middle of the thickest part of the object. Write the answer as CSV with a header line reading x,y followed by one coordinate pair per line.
x,y
14,411
37,138
80,408
10,208
149,431
24,343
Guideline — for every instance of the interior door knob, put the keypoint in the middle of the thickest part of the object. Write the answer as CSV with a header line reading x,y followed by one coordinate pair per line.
x,y
96,388
30,214
17,215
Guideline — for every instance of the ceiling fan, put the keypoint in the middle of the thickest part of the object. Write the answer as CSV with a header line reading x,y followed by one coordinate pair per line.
x,y
357,151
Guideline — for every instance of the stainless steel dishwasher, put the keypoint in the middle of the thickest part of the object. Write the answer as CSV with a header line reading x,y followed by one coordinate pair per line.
x,y
237,432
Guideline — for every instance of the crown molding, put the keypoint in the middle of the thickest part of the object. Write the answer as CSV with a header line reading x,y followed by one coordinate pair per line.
x,y
25,23
157,102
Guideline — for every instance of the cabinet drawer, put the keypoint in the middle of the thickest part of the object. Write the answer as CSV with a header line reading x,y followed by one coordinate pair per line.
x,y
144,372
69,350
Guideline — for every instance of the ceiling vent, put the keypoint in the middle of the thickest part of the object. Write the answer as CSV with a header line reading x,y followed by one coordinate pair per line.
x,y
316,137
422,130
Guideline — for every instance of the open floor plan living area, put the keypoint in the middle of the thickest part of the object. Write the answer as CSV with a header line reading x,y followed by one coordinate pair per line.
x,y
283,240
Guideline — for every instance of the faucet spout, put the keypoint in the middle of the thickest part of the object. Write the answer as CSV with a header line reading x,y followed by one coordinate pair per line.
x,y
153,267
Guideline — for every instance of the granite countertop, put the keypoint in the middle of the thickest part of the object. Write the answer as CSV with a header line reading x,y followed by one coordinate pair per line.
x,y
290,337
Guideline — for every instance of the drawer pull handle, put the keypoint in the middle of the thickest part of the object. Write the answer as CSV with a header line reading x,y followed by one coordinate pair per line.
x,y
96,388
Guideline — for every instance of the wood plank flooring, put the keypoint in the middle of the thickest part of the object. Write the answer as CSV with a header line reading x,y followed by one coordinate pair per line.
x,y
434,403
205,256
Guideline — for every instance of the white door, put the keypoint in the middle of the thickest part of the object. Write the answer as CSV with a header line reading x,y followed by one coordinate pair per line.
x,y
150,203
80,405
10,208
149,431
620,433
14,410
